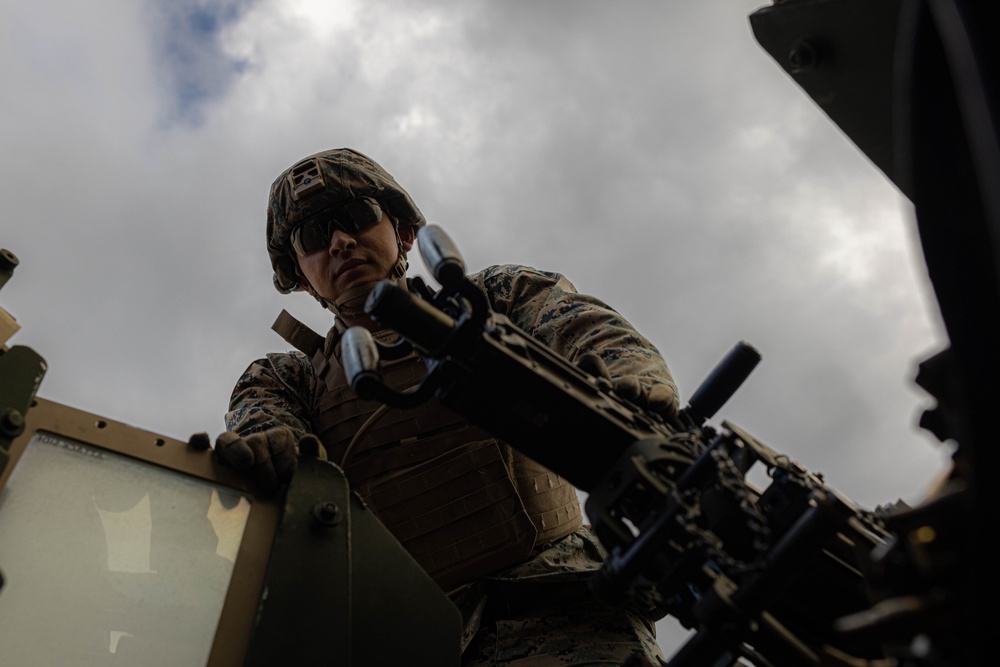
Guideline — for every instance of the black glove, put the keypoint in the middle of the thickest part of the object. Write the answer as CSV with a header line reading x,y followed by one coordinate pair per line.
x,y
267,459
657,397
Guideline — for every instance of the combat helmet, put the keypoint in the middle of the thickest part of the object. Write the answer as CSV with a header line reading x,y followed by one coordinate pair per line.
x,y
318,183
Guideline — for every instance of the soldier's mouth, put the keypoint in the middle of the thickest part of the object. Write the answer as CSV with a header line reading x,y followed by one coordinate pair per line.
x,y
349,265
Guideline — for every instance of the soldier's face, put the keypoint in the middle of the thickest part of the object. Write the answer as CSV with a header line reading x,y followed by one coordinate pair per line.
x,y
353,260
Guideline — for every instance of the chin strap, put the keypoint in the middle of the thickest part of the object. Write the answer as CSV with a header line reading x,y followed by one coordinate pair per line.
x,y
351,303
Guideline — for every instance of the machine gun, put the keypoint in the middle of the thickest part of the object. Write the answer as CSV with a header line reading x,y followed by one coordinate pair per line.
x,y
913,84
760,574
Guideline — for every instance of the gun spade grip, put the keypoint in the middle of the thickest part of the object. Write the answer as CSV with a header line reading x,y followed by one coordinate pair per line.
x,y
359,354
441,256
722,383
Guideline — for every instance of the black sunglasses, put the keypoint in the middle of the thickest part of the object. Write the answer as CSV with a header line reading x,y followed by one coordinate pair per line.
x,y
350,217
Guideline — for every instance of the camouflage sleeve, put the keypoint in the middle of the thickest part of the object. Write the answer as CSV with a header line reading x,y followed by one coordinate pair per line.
x,y
548,308
275,391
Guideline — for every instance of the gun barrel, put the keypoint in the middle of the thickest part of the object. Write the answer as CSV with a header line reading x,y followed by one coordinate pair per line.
x,y
723,382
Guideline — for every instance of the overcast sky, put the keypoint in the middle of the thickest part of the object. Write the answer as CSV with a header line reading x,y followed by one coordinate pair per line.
x,y
650,151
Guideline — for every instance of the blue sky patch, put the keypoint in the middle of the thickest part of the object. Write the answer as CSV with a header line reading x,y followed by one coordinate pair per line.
x,y
187,41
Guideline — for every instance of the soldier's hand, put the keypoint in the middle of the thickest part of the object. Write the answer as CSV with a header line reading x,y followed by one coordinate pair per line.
x,y
654,396
267,459
657,397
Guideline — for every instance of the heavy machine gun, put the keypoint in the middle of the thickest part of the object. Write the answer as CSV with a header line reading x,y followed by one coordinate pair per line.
x,y
762,574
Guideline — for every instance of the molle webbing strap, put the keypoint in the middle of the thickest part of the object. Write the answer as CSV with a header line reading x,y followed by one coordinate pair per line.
x,y
459,476
341,417
370,462
482,553
488,499
296,334
458,514
558,523
550,500
341,413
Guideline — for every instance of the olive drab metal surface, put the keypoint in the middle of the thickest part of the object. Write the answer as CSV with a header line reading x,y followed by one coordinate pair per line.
x,y
342,591
841,53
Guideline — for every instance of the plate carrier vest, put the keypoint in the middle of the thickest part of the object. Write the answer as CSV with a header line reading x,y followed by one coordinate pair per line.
x,y
463,503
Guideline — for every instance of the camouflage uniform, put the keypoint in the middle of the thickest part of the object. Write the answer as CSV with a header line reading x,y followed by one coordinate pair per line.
x,y
519,576
539,611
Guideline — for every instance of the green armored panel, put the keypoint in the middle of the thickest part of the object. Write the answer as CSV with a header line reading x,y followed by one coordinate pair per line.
x,y
840,52
342,588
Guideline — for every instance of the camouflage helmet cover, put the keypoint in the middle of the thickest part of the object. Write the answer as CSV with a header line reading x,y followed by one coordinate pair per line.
x,y
317,183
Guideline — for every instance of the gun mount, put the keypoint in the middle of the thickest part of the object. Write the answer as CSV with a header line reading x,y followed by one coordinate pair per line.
x,y
669,501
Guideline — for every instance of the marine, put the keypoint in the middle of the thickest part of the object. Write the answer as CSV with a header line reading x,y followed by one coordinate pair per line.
x,y
502,535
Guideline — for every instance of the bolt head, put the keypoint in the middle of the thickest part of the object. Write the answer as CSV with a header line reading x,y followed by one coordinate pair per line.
x,y
11,422
327,514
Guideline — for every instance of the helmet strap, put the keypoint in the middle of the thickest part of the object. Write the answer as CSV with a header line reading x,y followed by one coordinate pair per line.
x,y
350,304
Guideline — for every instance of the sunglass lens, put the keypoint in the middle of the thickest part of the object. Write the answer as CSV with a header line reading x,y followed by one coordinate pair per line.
x,y
351,218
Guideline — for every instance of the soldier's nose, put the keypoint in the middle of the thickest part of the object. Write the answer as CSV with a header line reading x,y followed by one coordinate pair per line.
x,y
341,240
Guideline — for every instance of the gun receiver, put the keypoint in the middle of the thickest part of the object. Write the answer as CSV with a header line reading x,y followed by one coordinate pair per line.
x,y
669,501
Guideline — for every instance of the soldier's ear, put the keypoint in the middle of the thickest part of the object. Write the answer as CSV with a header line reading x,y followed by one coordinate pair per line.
x,y
407,235
304,284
